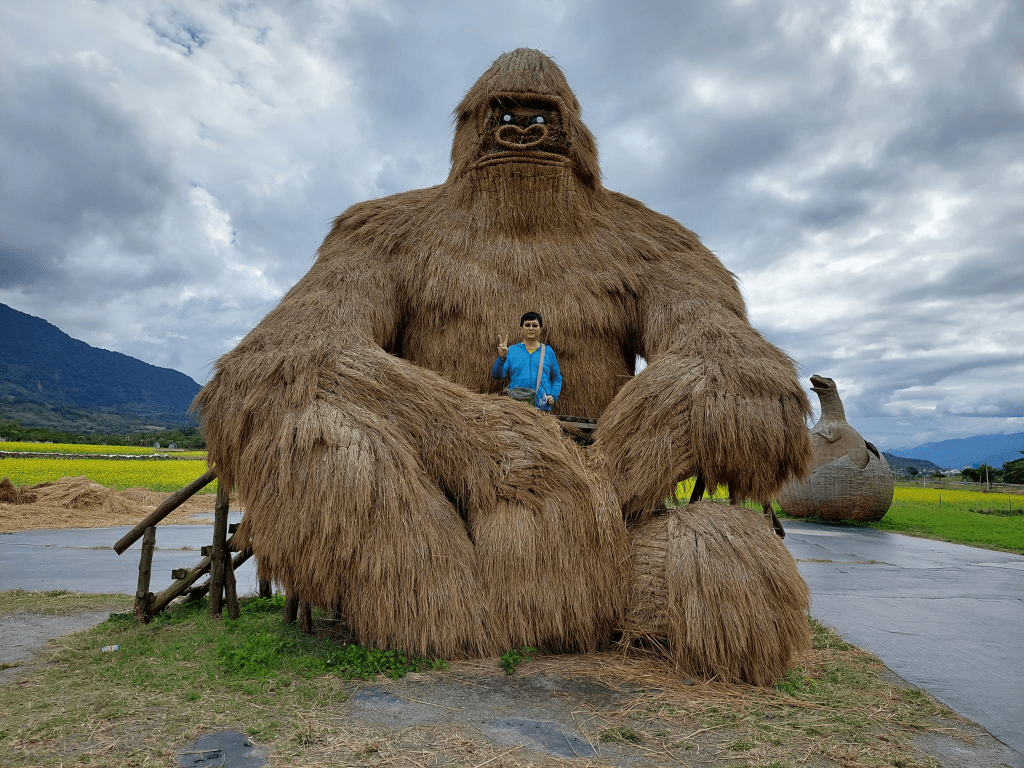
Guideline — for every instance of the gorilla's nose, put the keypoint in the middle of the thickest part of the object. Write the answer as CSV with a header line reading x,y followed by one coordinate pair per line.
x,y
514,137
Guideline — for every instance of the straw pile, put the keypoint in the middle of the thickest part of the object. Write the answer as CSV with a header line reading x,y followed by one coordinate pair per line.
x,y
77,502
714,589
379,472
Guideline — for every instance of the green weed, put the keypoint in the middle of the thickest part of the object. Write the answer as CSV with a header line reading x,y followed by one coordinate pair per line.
x,y
512,659
796,683
620,736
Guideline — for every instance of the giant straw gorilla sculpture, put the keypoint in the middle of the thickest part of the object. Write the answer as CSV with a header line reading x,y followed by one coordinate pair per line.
x,y
381,474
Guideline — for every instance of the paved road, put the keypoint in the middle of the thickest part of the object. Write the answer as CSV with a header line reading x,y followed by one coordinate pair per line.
x,y
945,617
81,559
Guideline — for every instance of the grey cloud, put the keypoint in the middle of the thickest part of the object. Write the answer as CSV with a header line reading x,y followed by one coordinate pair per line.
x,y
72,166
772,129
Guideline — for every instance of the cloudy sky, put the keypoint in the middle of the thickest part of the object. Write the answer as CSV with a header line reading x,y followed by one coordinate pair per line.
x,y
167,170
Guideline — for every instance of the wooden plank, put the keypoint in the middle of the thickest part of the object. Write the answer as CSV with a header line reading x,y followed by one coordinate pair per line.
x,y
164,510
143,597
182,585
220,535
195,593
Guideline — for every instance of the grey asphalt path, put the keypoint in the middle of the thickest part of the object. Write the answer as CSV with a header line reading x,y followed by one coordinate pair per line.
x,y
945,617
81,559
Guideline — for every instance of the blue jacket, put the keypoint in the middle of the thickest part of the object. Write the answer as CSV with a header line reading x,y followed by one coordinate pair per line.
x,y
521,367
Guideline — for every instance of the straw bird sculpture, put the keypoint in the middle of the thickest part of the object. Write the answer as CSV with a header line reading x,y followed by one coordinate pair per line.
x,y
850,478
383,475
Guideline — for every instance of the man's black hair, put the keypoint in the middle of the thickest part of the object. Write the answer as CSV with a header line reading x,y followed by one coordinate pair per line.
x,y
532,316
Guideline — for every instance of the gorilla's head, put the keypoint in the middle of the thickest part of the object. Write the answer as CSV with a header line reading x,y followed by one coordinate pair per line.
x,y
522,110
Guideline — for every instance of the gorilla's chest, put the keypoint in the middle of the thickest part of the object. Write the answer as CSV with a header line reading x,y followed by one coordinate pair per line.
x,y
490,282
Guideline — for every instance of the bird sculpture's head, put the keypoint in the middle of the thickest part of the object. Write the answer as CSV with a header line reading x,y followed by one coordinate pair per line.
x,y
820,384
522,112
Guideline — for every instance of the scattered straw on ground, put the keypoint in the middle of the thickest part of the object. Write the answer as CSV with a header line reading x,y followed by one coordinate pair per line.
x,y
77,502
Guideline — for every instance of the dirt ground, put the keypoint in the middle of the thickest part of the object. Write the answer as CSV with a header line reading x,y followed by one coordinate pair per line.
x,y
555,711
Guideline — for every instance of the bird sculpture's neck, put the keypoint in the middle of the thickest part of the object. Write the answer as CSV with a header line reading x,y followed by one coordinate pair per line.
x,y
831,406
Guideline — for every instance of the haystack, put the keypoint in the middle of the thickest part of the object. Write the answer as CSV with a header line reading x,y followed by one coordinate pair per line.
x,y
382,475
67,493
11,493
717,592
78,502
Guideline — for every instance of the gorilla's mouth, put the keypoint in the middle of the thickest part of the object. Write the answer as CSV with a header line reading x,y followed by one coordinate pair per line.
x,y
523,126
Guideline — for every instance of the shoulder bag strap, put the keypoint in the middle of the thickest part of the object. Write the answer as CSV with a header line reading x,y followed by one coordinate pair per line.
x,y
540,369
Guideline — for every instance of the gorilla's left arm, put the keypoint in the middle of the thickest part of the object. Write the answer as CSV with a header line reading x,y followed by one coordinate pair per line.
x,y
716,399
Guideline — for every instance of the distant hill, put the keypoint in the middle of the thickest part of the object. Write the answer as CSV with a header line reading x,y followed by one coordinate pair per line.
x,y
993,450
49,379
900,464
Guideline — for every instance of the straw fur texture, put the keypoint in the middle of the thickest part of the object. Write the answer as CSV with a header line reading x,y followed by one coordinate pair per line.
x,y
380,472
714,589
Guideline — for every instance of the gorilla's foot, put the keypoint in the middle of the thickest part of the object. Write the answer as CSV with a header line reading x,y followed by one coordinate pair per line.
x,y
715,588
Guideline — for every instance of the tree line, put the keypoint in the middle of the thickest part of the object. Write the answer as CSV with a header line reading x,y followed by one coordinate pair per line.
x,y
1010,472
190,438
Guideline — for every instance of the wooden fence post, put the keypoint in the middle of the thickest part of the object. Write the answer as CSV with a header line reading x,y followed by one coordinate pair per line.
x,y
291,607
186,578
266,589
305,617
230,588
217,565
143,597
158,514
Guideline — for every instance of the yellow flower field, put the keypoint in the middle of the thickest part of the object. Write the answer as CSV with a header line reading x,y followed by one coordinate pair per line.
x,y
948,495
116,450
141,473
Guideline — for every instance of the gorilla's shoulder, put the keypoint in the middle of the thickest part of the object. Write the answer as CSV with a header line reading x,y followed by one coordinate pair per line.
x,y
393,213
630,215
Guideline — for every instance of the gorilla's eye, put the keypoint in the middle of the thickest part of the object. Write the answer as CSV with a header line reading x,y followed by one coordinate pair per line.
x,y
508,118
537,120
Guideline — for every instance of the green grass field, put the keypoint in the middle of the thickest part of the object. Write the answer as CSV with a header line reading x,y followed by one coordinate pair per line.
x,y
185,673
916,511
989,520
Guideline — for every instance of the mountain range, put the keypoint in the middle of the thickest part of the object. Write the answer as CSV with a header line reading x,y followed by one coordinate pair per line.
x,y
49,379
993,450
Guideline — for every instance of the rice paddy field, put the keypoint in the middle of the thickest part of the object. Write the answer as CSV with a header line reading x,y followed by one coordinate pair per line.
x,y
167,476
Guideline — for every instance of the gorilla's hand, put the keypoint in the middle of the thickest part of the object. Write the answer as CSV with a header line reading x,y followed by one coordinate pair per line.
x,y
736,418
